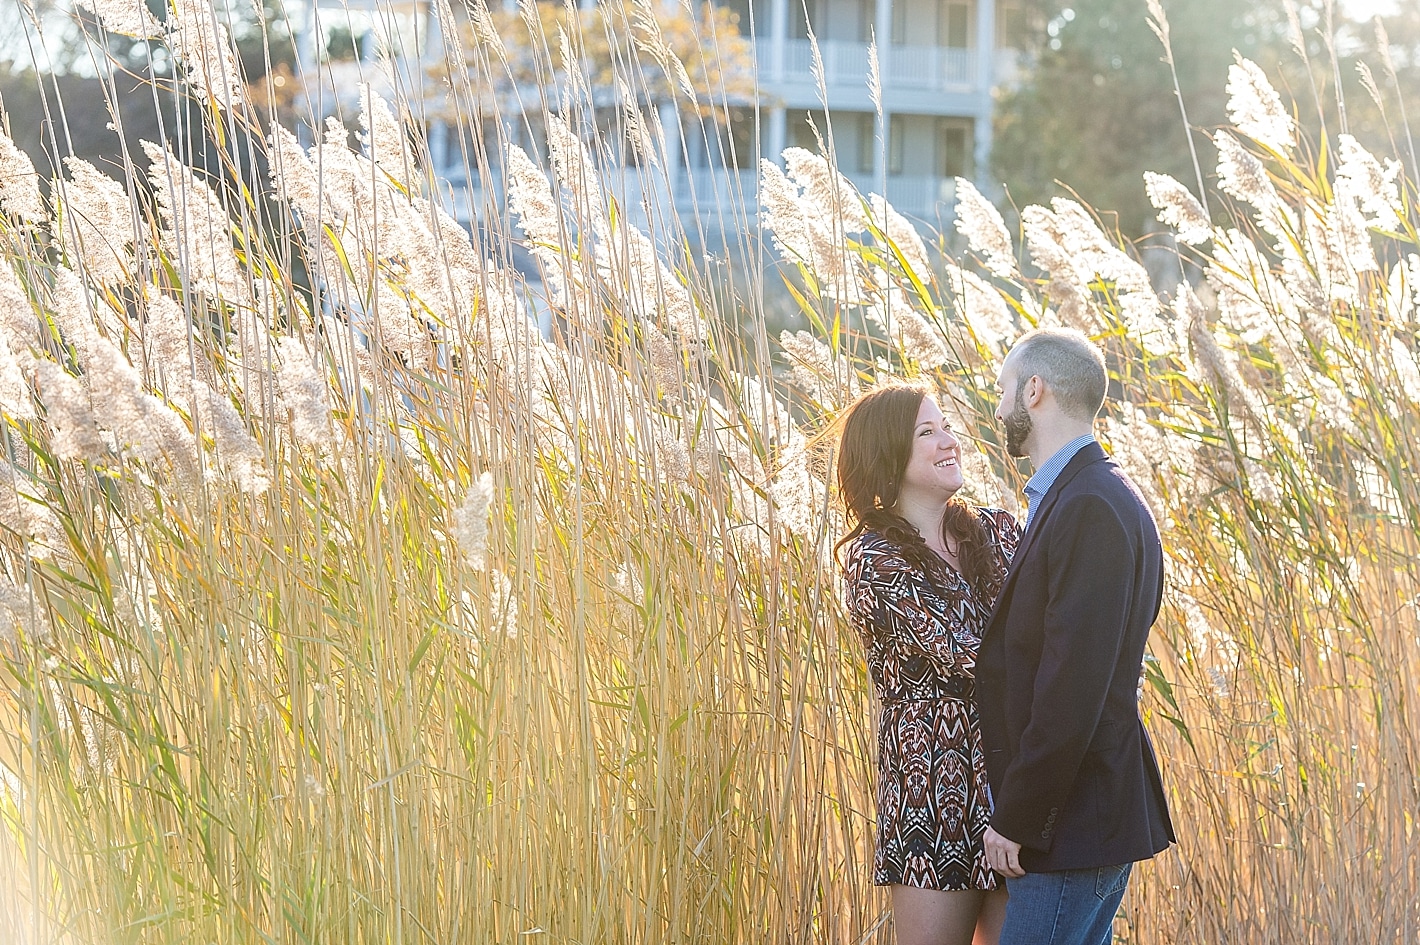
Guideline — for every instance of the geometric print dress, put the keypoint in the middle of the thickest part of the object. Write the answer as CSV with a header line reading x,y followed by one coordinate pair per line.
x,y
922,632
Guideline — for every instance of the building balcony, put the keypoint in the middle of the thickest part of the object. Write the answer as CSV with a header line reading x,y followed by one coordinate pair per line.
x,y
732,196
845,64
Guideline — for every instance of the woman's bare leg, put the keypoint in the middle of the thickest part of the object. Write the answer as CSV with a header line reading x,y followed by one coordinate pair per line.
x,y
993,915
935,916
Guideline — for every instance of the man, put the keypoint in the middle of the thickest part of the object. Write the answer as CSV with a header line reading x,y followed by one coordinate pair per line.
x,y
1077,793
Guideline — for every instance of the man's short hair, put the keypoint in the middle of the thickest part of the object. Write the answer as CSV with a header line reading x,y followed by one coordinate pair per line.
x,y
1070,364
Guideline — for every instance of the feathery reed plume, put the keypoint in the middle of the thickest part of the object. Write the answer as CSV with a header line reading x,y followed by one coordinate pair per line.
x,y
73,434
167,338
643,144
502,602
1215,365
916,337
295,177
19,183
73,315
1329,235
1255,108
532,201
97,223
197,230
1360,177
15,399
981,307
1346,231
573,165
809,213
26,513
469,526
16,608
1046,244
384,138
303,395
1178,208
1242,175
903,235
816,370
237,450
1147,455
126,17
875,78
142,425
485,29
1402,297
980,222
1407,369
17,316
827,194
203,45
1139,306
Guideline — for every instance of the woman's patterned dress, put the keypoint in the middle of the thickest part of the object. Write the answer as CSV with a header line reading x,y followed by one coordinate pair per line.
x,y
922,631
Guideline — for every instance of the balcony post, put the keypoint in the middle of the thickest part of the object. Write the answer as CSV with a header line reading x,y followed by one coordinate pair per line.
x,y
985,79
778,34
882,35
775,134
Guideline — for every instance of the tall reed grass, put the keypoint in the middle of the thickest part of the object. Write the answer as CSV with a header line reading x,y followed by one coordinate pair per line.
x,y
364,610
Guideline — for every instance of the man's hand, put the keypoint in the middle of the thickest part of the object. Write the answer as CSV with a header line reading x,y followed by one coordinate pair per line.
x,y
1002,855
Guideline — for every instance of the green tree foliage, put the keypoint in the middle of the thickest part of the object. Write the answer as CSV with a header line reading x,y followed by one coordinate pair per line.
x,y
1098,108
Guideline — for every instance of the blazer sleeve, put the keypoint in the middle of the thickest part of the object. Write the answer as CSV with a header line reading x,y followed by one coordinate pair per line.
x,y
885,596
1091,578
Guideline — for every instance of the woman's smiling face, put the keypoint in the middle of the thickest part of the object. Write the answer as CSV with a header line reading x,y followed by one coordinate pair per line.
x,y
934,467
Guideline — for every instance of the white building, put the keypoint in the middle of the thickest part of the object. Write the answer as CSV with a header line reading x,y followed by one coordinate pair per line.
x,y
939,62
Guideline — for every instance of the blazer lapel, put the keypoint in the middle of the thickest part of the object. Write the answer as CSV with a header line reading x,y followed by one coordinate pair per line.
x,y
1087,456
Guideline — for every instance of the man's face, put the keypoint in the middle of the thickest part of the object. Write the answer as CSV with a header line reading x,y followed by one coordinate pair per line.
x,y
1012,412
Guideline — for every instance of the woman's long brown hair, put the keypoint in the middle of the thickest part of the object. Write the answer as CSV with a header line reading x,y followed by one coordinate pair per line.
x,y
874,448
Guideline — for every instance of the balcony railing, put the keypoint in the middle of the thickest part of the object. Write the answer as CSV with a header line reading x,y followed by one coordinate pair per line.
x,y
917,68
730,195
931,68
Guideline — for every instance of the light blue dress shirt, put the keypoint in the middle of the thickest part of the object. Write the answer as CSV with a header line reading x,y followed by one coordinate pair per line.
x,y
1049,471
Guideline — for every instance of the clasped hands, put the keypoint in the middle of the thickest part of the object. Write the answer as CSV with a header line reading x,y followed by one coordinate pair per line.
x,y
1002,855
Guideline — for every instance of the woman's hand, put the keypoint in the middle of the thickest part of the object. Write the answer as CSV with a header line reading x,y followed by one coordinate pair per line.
x,y
1002,855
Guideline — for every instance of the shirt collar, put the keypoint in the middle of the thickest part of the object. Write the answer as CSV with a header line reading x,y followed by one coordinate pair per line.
x,y
1050,470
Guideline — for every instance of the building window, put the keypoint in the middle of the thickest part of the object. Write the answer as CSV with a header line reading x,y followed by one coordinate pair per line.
x,y
896,128
954,24
802,13
867,142
899,22
739,134
953,148
798,133
1012,26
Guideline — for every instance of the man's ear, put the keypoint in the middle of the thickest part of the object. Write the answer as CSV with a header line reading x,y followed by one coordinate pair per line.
x,y
1034,393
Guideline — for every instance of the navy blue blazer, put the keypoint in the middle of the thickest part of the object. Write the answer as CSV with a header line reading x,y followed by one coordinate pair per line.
x,y
1072,772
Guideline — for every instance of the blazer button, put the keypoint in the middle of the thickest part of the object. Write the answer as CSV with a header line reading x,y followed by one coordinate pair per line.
x,y
1045,835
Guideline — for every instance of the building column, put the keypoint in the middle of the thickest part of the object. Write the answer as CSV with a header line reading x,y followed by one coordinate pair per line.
x,y
776,137
675,146
985,80
778,35
882,34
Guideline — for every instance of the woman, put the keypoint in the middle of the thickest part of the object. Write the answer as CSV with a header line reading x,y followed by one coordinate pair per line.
x,y
922,571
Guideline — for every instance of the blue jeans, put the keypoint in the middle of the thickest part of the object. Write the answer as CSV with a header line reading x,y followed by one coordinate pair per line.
x,y
1069,907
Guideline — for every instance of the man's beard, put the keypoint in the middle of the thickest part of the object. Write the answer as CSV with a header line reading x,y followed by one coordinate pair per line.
x,y
1018,426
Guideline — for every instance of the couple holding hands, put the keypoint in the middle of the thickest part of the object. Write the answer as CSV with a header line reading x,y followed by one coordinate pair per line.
x,y
1016,784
